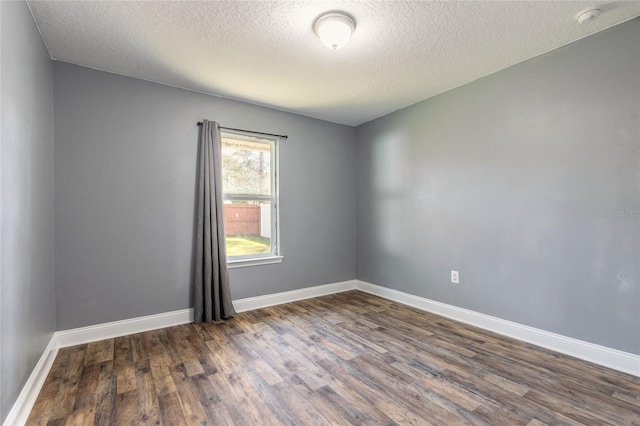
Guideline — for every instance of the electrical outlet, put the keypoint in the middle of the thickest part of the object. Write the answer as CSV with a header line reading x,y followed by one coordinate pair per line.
x,y
455,278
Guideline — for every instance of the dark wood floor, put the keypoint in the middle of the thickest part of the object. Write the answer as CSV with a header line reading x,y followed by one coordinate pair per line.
x,y
349,358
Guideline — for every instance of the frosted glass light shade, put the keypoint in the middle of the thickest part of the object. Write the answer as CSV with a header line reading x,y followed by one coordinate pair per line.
x,y
334,29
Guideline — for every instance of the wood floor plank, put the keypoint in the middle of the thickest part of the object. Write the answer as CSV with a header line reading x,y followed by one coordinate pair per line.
x,y
210,400
170,348
265,371
372,392
189,401
170,410
506,401
138,348
106,392
41,412
351,413
347,358
82,416
568,410
147,397
127,408
628,397
228,400
123,364
65,399
161,372
232,377
87,385
504,383
316,402
587,400
460,396
299,407
402,386
262,390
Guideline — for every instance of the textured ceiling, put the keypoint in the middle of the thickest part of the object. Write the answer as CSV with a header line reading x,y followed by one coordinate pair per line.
x,y
266,53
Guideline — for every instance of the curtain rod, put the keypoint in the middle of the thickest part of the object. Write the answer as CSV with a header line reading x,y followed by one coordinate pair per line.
x,y
248,131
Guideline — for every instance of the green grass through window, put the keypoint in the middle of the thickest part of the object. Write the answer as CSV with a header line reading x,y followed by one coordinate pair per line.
x,y
242,245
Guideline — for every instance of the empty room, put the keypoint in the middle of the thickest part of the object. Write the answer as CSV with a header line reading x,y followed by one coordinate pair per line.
x,y
320,212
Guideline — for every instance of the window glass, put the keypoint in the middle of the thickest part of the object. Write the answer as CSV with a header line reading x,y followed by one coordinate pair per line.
x,y
246,166
249,182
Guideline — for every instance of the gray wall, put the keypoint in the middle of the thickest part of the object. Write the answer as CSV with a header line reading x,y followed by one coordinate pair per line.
x,y
125,163
509,180
27,293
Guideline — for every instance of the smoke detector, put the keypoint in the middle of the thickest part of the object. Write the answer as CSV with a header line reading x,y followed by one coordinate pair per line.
x,y
587,16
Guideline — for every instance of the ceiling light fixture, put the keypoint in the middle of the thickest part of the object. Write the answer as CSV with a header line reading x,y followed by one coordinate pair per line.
x,y
334,29
587,16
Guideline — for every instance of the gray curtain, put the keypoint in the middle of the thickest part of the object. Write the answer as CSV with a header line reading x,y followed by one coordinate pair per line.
x,y
212,298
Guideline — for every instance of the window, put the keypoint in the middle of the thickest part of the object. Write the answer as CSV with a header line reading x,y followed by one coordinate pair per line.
x,y
250,194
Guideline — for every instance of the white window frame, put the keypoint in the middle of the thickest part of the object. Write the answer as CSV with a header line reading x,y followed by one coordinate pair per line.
x,y
275,256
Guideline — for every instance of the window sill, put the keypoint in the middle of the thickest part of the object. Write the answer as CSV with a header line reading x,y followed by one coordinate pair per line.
x,y
256,261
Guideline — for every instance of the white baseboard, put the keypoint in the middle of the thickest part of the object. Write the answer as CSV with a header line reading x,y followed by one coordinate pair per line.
x,y
251,303
24,403
602,355
109,330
